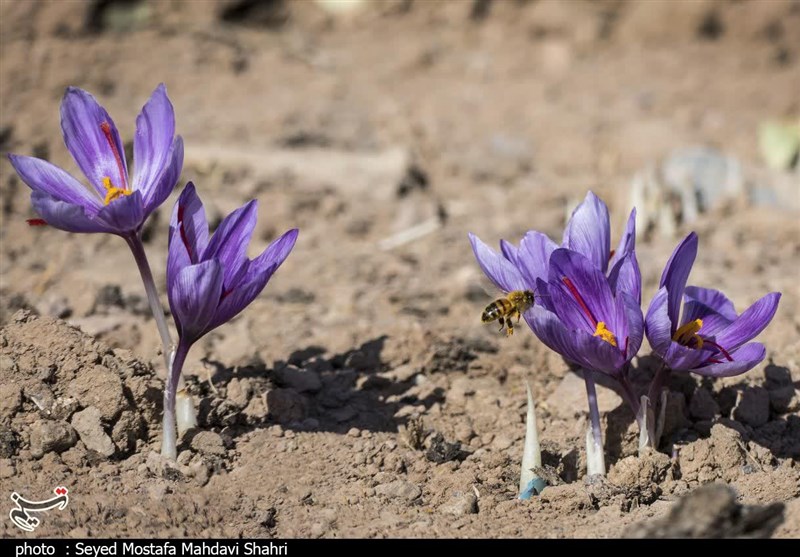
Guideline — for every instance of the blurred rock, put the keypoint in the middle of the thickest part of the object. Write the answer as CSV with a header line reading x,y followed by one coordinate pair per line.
x,y
8,442
703,406
127,429
50,435
239,391
399,489
286,405
752,406
688,182
461,504
721,456
209,442
784,399
88,424
640,471
711,511
101,388
298,379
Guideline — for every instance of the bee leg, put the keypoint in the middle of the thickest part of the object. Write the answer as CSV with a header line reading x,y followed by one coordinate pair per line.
x,y
509,327
502,323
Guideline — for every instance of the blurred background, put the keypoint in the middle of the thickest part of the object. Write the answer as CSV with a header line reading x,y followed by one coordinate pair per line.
x,y
385,130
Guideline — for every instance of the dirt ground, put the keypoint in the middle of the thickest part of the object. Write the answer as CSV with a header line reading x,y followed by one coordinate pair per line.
x,y
360,396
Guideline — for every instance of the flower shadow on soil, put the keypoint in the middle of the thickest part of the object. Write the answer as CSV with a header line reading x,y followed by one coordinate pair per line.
x,y
310,392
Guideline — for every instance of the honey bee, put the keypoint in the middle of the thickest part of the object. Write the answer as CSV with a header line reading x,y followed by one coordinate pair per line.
x,y
505,309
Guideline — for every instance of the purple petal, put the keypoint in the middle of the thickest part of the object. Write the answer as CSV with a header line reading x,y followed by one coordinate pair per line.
x,y
713,322
500,270
194,296
165,182
510,252
230,240
542,294
714,299
178,256
47,178
752,321
64,216
99,153
535,251
240,297
679,357
276,252
657,324
745,359
627,243
626,277
573,276
575,345
189,219
124,214
635,325
588,231
675,275
155,130
271,258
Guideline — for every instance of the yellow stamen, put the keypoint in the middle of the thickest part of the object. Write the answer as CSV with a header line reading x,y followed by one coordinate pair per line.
x,y
605,334
113,192
686,333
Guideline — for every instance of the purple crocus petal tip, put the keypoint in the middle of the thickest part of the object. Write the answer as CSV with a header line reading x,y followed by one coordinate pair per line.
x,y
676,273
500,270
93,140
750,323
589,231
745,358
65,216
153,142
42,176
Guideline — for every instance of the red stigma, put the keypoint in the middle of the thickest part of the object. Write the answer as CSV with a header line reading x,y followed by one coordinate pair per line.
x,y
720,348
579,299
36,222
106,127
182,230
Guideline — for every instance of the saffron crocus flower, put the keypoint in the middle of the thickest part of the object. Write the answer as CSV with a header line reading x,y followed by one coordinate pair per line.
x,y
210,280
528,267
707,337
115,202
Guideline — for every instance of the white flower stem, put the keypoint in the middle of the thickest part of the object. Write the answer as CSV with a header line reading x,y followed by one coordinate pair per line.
x,y
595,460
531,453
169,438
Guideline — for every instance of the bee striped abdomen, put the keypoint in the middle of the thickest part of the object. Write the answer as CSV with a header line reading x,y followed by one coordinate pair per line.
x,y
496,310
508,308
